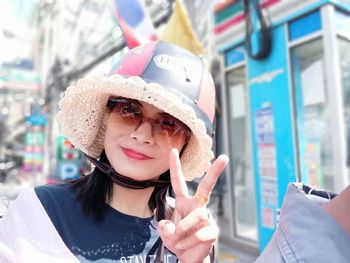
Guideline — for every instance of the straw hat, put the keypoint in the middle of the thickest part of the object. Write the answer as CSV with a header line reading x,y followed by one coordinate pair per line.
x,y
168,77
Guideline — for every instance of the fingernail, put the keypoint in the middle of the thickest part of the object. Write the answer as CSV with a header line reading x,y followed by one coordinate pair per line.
x,y
168,229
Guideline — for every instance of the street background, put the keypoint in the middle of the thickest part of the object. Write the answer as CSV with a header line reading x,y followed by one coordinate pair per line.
x,y
282,76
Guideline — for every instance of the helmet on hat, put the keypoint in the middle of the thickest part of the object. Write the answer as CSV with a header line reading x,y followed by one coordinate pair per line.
x,y
165,75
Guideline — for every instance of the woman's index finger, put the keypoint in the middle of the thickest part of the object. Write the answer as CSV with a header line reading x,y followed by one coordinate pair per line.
x,y
176,176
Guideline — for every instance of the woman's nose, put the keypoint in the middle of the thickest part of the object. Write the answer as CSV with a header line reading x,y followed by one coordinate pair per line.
x,y
143,133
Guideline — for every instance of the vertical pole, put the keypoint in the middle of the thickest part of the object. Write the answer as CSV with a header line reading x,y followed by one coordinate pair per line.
x,y
334,89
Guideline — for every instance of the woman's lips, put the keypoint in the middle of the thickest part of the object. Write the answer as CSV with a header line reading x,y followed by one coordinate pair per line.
x,y
135,155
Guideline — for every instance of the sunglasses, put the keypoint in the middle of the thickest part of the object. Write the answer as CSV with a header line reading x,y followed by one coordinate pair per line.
x,y
129,112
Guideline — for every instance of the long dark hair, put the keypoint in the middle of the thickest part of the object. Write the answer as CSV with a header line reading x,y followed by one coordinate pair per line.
x,y
95,191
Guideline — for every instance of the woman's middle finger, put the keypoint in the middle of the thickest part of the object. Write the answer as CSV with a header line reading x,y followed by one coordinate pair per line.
x,y
207,183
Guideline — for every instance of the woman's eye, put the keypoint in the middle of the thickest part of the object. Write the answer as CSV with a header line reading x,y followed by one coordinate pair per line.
x,y
168,122
127,109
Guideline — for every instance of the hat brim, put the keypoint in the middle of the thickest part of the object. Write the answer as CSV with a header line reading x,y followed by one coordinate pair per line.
x,y
82,116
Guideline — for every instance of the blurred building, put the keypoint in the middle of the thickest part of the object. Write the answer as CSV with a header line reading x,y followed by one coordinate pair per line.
x,y
285,106
40,42
45,46
21,85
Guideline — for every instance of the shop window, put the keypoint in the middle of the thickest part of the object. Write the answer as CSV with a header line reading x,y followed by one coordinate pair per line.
x,y
342,23
312,115
344,58
240,155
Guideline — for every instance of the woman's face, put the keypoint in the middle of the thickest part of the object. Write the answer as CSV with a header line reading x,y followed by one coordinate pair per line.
x,y
139,138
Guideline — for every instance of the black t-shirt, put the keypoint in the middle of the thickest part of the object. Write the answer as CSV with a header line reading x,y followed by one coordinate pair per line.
x,y
118,238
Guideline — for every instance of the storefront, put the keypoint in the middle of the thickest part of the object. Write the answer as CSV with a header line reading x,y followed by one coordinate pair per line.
x,y
285,116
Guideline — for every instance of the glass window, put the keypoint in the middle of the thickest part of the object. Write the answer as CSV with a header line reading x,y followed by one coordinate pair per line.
x,y
342,23
241,157
344,58
313,115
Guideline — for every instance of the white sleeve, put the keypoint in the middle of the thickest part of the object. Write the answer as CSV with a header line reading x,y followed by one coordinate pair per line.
x,y
28,235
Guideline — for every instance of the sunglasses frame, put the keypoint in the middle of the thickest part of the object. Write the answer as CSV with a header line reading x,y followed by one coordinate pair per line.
x,y
112,101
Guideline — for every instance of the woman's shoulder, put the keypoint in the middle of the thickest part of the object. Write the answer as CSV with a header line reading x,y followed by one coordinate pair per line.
x,y
52,190
52,196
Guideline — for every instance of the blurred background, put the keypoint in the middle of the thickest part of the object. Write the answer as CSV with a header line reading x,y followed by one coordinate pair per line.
x,y
282,74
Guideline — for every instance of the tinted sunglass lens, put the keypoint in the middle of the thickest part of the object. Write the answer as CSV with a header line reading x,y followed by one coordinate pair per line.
x,y
130,113
171,126
126,111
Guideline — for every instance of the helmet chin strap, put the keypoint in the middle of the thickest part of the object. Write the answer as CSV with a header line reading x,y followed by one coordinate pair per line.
x,y
124,180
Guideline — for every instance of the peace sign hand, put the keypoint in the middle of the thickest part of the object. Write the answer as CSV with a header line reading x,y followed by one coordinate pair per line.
x,y
192,232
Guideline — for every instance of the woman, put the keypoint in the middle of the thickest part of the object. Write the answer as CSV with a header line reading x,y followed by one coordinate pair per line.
x,y
147,128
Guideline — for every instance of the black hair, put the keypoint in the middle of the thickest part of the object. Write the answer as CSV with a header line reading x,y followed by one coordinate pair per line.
x,y
95,191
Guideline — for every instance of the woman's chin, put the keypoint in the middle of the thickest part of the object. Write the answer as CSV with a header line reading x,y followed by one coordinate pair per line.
x,y
139,172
